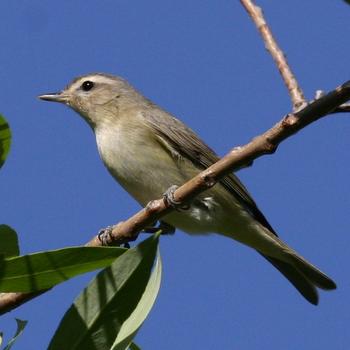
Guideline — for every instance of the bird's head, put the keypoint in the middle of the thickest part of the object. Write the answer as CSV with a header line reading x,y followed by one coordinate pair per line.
x,y
95,96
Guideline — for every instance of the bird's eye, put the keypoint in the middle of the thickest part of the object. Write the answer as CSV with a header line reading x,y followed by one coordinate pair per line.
x,y
87,85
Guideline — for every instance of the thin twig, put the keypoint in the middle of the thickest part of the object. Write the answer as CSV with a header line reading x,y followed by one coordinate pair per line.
x,y
266,143
295,92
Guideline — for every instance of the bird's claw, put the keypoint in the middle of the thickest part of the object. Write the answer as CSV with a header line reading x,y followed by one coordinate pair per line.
x,y
105,235
106,238
170,200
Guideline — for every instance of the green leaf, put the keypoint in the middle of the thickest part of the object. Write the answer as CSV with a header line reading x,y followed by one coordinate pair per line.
x,y
100,311
130,327
133,346
5,139
20,327
9,241
43,270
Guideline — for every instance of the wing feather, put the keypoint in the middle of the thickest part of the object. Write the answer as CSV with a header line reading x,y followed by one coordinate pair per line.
x,y
188,145
184,142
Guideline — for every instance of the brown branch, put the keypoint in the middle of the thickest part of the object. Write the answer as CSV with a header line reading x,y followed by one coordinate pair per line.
x,y
266,143
10,301
344,108
295,92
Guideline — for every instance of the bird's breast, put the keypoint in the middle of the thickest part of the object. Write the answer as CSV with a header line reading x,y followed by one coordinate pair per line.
x,y
137,161
146,170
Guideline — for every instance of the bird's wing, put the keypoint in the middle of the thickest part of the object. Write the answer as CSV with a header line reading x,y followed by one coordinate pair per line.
x,y
188,145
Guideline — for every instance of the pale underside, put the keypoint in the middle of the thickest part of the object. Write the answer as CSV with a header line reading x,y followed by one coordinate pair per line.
x,y
147,169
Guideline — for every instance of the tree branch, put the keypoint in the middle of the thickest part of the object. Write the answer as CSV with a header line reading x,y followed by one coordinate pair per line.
x,y
266,143
344,108
295,92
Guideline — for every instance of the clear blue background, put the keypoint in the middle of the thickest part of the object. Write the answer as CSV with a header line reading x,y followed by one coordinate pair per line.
x,y
204,62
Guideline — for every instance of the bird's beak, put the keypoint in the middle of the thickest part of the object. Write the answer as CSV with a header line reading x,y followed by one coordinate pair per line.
x,y
55,97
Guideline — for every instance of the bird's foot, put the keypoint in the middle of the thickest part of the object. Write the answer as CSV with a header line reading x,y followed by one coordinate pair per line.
x,y
169,199
107,239
105,235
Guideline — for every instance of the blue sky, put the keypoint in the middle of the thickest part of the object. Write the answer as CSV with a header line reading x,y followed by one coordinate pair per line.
x,y
204,62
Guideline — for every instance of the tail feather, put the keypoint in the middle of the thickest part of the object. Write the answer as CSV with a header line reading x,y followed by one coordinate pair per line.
x,y
299,281
304,276
298,270
312,273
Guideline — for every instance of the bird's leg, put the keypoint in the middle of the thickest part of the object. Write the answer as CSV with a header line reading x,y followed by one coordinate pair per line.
x,y
106,238
169,199
165,228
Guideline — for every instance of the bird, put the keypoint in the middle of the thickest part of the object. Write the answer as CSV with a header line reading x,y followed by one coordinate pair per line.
x,y
149,151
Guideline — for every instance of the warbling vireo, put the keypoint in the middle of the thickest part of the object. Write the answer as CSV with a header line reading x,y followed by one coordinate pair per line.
x,y
147,151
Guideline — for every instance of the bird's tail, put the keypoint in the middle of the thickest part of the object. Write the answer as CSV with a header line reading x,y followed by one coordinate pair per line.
x,y
303,275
